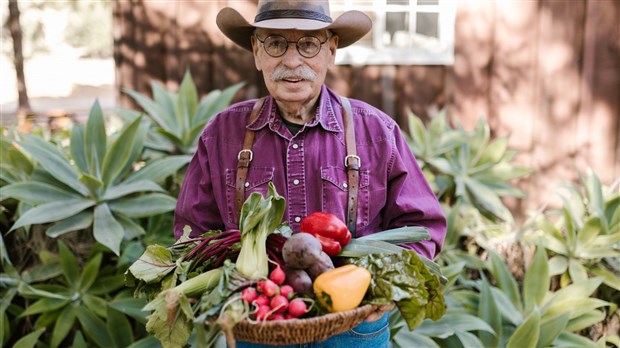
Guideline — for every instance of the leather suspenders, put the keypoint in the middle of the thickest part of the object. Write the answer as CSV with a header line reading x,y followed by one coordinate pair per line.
x,y
245,156
352,162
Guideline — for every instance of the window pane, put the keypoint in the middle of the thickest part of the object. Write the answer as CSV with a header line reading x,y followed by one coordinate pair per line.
x,y
397,29
427,24
428,2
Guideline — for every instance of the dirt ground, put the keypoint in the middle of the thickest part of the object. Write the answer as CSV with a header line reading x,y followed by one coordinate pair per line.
x,y
58,83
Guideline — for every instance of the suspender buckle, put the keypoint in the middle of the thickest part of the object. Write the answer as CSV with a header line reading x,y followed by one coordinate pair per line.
x,y
248,151
355,166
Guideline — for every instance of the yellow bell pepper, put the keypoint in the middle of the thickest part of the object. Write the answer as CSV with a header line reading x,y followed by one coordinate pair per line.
x,y
342,288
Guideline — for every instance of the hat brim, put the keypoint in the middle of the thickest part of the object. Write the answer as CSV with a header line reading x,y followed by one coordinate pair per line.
x,y
350,26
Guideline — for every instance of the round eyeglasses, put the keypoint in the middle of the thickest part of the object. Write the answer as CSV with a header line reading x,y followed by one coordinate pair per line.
x,y
307,46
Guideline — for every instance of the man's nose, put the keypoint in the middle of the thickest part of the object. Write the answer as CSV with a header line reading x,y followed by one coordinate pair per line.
x,y
291,57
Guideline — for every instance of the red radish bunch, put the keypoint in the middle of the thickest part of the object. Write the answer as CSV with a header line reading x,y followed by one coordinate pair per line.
x,y
274,301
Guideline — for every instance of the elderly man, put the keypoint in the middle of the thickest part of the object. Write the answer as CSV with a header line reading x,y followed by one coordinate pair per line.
x,y
322,152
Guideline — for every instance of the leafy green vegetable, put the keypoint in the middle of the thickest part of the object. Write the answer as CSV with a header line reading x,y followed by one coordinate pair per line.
x,y
404,279
222,307
259,218
172,315
153,265
387,242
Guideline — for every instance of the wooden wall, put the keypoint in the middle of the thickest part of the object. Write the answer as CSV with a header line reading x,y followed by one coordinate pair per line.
x,y
545,72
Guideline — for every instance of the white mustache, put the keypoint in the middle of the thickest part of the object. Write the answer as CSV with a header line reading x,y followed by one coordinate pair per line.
x,y
283,73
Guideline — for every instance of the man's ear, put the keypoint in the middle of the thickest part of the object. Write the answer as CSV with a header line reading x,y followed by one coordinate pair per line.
x,y
255,52
333,47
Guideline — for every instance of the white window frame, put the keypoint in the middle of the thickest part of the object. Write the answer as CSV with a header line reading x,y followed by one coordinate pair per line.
x,y
425,51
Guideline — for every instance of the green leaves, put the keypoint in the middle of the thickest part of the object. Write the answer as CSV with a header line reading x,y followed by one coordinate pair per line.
x,y
466,166
99,190
178,118
53,161
526,334
258,219
72,301
405,280
537,280
120,154
153,265
586,237
107,230
54,211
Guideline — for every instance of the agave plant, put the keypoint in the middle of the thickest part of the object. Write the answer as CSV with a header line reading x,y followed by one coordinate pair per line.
x,y
466,166
15,166
78,298
585,239
97,188
531,315
178,118
456,328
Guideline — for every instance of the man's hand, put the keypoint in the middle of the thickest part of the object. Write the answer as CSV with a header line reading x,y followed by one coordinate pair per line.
x,y
378,313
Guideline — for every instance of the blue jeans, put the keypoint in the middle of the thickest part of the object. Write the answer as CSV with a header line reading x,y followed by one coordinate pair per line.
x,y
374,334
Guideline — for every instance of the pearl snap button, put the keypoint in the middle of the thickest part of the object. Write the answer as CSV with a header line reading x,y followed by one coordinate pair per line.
x,y
297,219
344,184
296,182
295,146
247,184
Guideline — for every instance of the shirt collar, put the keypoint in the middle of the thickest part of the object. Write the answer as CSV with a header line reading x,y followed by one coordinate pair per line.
x,y
325,115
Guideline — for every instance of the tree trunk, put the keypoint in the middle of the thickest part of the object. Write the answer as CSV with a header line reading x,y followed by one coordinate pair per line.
x,y
15,28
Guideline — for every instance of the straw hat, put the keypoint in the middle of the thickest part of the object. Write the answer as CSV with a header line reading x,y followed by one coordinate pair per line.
x,y
294,14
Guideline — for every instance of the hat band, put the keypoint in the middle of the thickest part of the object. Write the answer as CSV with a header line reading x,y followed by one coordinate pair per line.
x,y
305,14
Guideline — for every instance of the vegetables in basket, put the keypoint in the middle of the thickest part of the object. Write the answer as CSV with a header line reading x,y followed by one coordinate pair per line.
x,y
328,229
405,280
170,320
343,288
195,277
259,218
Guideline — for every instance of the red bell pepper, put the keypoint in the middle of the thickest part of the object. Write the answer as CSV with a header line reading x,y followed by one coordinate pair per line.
x,y
328,229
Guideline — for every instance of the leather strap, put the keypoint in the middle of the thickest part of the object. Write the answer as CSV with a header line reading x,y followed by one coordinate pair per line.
x,y
245,156
352,164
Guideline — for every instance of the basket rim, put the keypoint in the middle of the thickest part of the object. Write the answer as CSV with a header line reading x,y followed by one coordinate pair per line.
x,y
322,327
369,308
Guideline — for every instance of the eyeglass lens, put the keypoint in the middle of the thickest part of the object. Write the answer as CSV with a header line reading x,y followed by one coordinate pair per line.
x,y
307,46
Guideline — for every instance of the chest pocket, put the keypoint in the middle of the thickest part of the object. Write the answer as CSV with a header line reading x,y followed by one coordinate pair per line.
x,y
257,181
335,194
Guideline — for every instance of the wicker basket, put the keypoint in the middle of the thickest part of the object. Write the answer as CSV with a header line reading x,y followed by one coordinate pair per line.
x,y
297,331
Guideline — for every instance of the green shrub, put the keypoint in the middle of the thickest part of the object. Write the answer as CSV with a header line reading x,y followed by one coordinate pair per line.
x,y
465,166
97,188
178,119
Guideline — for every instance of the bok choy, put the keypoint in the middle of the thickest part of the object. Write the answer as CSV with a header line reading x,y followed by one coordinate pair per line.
x,y
259,218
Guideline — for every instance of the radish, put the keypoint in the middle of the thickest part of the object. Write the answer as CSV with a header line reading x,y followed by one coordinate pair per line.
x,y
297,308
249,294
269,288
287,291
277,316
279,304
277,275
263,312
261,300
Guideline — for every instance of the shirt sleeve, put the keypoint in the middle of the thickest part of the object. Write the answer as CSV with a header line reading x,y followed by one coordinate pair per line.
x,y
196,205
411,201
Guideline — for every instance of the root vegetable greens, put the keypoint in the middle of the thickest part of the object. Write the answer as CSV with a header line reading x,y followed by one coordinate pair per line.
x,y
195,279
404,279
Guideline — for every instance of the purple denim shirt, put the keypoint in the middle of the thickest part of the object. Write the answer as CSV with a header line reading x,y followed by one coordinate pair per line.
x,y
307,169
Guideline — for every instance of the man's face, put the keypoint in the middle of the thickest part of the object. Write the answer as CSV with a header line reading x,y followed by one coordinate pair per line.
x,y
292,77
